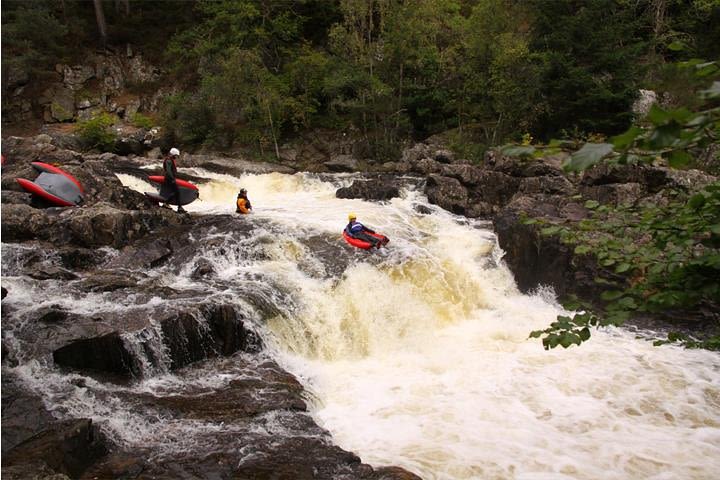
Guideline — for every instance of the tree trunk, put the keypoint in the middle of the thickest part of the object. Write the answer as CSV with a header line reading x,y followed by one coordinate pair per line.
x,y
100,17
272,130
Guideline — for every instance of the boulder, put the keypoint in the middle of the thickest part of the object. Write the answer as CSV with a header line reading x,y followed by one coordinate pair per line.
x,y
448,193
23,413
231,166
74,77
187,336
377,189
342,163
67,447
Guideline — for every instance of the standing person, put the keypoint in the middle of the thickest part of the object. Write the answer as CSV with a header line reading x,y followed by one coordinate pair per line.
x,y
170,171
357,230
242,203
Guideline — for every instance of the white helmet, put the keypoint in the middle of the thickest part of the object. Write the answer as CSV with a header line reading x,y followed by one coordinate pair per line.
x,y
175,151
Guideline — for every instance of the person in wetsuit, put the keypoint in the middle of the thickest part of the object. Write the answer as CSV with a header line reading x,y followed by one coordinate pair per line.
x,y
170,172
242,203
357,230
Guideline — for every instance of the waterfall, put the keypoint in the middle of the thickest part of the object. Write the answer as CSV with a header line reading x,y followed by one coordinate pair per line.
x,y
416,355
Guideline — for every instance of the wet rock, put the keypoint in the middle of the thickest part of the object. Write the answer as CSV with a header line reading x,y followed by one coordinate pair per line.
x,y
23,413
46,272
537,259
272,388
187,336
80,258
108,281
447,192
107,353
188,341
67,447
380,189
342,163
52,314
204,269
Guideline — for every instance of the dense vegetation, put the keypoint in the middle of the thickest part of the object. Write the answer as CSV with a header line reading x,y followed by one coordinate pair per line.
x,y
257,71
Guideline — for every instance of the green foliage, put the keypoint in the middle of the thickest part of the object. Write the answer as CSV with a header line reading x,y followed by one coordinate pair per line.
x,y
96,132
142,121
32,36
187,118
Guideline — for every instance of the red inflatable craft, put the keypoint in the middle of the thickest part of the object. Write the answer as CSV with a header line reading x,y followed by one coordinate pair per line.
x,y
355,242
54,186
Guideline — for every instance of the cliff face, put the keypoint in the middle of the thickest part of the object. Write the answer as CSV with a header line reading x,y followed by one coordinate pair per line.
x,y
122,84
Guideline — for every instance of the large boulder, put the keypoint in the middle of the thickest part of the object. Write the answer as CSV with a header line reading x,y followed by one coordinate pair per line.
x,y
448,193
186,336
342,163
68,447
373,189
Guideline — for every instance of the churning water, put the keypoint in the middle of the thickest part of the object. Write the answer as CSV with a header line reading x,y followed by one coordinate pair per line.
x,y
418,355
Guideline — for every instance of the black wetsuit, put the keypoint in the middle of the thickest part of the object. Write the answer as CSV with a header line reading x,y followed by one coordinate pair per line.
x,y
170,170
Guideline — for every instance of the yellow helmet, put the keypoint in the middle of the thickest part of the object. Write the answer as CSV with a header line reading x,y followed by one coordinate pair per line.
x,y
352,216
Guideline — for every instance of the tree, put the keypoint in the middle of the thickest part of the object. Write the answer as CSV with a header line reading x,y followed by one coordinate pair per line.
x,y
100,18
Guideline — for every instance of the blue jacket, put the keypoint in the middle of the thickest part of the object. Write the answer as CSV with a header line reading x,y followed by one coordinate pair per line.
x,y
353,228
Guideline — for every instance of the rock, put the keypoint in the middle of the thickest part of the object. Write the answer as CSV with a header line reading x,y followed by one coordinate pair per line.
x,y
67,447
155,153
187,336
447,192
614,193
550,184
204,269
106,353
369,190
9,196
61,101
425,166
232,166
52,314
23,413
444,156
74,77
342,163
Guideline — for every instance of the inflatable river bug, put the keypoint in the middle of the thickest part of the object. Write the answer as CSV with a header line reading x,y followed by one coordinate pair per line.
x,y
188,192
54,186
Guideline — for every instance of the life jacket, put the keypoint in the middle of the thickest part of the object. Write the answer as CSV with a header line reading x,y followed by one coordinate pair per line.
x,y
243,205
355,228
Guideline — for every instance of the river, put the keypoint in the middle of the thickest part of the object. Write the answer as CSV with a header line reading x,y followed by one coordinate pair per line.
x,y
418,355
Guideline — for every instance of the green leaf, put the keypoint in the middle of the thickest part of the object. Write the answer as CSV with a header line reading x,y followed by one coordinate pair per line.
x,y
582,249
623,267
657,116
676,46
626,139
550,230
712,92
715,229
627,303
585,334
592,204
517,150
679,158
697,201
587,156
665,135
611,295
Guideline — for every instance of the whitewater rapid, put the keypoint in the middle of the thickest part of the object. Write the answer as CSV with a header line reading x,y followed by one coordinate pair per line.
x,y
418,355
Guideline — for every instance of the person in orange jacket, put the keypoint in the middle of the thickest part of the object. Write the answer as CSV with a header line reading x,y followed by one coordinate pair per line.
x,y
242,203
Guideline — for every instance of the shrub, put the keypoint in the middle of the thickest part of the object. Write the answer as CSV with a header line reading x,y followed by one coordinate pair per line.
x,y
96,133
142,121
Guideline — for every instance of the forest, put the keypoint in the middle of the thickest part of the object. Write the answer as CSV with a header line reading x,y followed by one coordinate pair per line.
x,y
482,72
